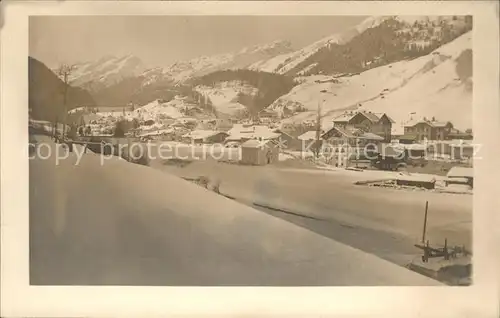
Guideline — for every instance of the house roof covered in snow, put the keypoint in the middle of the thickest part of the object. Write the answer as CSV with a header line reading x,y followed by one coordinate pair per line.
x,y
309,135
254,143
431,123
373,117
202,134
348,133
371,136
239,132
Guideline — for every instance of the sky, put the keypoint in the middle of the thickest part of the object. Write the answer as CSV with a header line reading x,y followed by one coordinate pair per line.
x,y
163,40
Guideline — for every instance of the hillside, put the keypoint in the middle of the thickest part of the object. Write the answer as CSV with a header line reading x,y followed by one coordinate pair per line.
x,y
438,84
375,42
46,93
282,64
190,105
234,91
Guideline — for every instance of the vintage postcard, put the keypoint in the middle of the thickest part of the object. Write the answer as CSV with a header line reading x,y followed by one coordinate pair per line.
x,y
167,157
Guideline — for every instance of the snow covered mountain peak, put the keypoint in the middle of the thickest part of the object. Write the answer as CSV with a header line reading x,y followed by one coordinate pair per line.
x,y
106,71
202,65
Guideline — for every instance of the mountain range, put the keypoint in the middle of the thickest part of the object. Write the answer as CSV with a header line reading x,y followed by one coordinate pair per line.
x,y
340,69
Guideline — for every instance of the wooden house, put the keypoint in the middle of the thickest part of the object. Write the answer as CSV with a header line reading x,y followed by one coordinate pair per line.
x,y
367,122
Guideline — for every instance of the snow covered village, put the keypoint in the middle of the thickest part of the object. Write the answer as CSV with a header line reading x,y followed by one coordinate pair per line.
x,y
363,138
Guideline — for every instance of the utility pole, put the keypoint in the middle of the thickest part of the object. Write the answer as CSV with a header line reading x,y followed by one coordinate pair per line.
x,y
64,72
318,129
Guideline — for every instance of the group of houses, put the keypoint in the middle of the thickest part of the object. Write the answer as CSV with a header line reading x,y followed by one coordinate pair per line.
x,y
354,128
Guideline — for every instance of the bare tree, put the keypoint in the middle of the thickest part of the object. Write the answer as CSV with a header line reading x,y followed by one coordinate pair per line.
x,y
64,72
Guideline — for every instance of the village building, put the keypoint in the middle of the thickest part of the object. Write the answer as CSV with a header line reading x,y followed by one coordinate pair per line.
x,y
428,129
267,116
350,136
366,121
242,132
456,134
259,152
205,136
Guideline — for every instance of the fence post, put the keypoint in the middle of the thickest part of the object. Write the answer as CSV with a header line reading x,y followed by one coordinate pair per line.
x,y
128,149
425,221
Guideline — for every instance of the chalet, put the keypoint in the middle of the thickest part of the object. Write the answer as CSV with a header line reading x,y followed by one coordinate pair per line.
x,y
353,137
429,129
368,122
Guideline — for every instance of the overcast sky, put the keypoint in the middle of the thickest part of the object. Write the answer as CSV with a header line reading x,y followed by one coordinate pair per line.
x,y
163,40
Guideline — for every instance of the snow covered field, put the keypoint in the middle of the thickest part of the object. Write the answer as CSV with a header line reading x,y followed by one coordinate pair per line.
x,y
333,195
152,228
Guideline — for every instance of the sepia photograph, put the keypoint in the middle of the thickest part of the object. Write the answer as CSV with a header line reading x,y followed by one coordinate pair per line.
x,y
250,150
225,157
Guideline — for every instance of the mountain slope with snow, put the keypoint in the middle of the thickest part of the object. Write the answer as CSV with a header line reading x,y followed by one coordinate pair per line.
x,y
438,84
282,64
184,70
105,72
225,96
374,42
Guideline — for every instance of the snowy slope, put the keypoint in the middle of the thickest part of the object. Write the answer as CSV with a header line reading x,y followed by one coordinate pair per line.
x,y
438,84
106,71
156,108
224,96
281,64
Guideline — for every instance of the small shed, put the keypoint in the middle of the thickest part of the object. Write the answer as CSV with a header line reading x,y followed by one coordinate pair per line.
x,y
259,152
460,175
418,181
